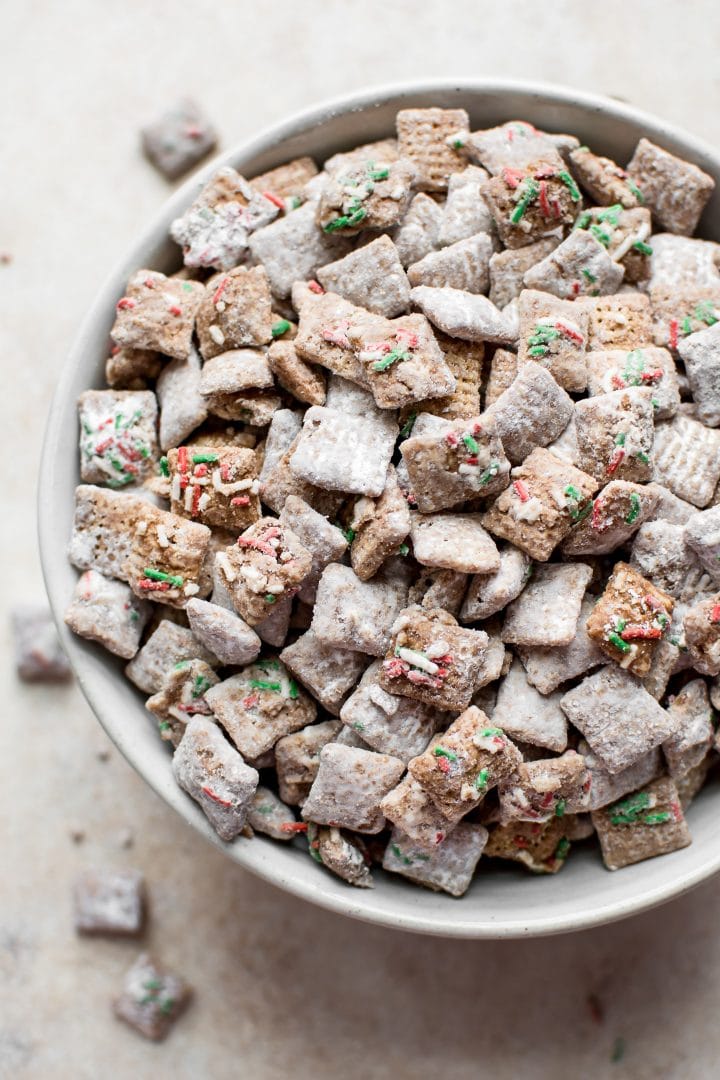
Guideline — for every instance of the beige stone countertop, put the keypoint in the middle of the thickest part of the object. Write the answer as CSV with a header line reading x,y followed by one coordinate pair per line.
x,y
282,989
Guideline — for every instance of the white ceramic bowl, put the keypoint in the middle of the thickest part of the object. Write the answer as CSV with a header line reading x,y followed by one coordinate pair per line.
x,y
507,901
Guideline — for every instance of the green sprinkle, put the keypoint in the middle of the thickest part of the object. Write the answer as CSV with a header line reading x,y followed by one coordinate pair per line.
x,y
164,467
166,1006
264,809
620,625
205,459
618,642
337,223
134,615
634,509
686,325
274,665
440,751
636,191
589,277
349,534
357,216
705,312
601,235
293,690
562,849
642,247
458,143
530,191
378,174
560,807
488,732
492,470
358,726
570,184
657,819
481,780
470,443
281,327
398,853
583,148
618,1051
573,496
270,598
611,214
312,835
160,575
620,439
263,684
403,549
583,220
538,350
142,450
152,984
408,425
643,457
390,358
163,726
627,811
181,664
200,685
187,287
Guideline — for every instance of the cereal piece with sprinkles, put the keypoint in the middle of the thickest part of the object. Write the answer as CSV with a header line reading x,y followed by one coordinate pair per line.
x,y
433,660
236,311
465,762
260,705
651,367
546,612
675,190
702,535
531,413
213,773
548,667
109,903
178,139
619,510
38,654
701,626
462,265
604,180
465,212
343,854
647,823
662,553
371,276
294,374
606,787
679,312
286,182
526,714
622,321
106,611
448,868
489,593
619,719
690,744
214,230
166,556
687,459
297,759
292,248
329,673
217,486
431,139
450,467
553,334
323,335
349,787
630,617
270,816
541,505
515,144
182,406
157,313
624,234
401,360
615,434
385,722
412,811
437,588
419,232
508,268
131,369
181,697
267,563
373,194
344,453
354,614
224,633
167,646
387,149
454,542
529,203
579,266
542,789
152,998
379,528
463,315
700,353
542,847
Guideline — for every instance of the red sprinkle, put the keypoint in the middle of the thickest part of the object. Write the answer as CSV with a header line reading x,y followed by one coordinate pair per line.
x,y
294,826
197,492
575,288
225,472
240,500
258,545
201,469
543,200
638,632
676,810
618,382
673,333
715,614
443,765
102,446
215,798
439,837
616,459
174,309
219,291
512,177
451,439
597,510
521,841
521,490
149,283
250,700
124,303
316,287
182,459
555,202
569,332
274,199
154,586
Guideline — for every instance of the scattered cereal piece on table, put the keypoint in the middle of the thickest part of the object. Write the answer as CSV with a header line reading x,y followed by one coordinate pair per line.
x,y
38,654
152,998
110,903
178,139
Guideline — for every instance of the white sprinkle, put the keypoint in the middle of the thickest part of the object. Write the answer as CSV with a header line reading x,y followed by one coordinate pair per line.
x,y
527,511
467,470
216,334
191,589
224,563
175,488
188,497
162,536
437,648
417,660
629,657
203,501
141,527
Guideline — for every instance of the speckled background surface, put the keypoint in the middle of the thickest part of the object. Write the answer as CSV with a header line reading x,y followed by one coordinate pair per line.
x,y
282,989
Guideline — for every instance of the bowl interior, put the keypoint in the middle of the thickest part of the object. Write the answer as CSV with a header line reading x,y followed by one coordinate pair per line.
x,y
505,902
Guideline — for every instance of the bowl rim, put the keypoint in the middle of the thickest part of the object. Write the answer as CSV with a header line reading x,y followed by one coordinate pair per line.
x,y
52,554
